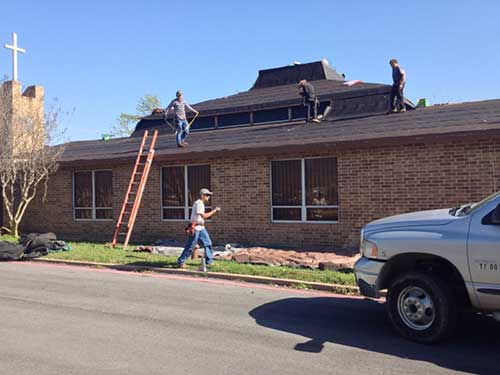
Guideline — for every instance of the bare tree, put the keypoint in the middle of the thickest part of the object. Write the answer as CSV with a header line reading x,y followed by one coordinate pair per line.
x,y
27,156
126,122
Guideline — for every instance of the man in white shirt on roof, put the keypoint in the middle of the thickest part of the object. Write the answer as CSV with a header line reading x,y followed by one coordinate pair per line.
x,y
199,233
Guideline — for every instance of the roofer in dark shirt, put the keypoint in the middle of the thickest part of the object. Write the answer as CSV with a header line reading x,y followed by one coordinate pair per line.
x,y
399,79
310,100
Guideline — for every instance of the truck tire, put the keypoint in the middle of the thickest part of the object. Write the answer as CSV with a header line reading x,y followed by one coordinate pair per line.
x,y
421,307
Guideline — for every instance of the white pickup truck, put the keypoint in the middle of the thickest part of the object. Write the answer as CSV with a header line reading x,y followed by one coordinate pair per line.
x,y
433,264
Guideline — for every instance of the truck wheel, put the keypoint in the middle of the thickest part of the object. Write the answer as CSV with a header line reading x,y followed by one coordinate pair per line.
x,y
421,307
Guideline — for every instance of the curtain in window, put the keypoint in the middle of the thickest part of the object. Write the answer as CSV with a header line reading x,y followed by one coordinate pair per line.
x,y
286,189
83,195
321,189
173,188
103,194
198,178
321,182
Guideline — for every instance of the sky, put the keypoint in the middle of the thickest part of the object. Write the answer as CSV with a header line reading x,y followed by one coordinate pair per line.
x,y
97,58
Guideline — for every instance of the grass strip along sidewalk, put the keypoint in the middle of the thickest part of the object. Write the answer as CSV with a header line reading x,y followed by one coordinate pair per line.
x,y
96,252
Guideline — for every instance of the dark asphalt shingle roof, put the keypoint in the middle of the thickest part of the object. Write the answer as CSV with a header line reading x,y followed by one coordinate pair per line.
x,y
281,96
474,117
291,74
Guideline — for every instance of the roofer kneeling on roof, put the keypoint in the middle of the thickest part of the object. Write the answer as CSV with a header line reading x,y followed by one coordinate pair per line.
x,y
310,100
178,105
399,79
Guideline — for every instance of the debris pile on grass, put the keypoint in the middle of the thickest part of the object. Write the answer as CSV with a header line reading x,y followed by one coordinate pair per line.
x,y
341,259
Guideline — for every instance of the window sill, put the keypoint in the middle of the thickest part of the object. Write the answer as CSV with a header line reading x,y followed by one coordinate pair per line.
x,y
303,222
90,220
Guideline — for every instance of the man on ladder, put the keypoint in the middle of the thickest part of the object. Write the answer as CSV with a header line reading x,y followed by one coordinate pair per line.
x,y
178,105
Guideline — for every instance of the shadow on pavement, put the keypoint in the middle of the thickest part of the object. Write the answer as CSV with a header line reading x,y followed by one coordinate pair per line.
x,y
362,324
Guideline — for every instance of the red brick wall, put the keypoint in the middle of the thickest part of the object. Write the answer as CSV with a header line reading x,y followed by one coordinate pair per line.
x,y
373,183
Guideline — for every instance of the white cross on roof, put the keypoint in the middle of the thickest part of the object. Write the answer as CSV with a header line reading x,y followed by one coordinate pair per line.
x,y
15,49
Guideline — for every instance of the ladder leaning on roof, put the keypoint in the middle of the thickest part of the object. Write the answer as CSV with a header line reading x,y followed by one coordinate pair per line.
x,y
132,200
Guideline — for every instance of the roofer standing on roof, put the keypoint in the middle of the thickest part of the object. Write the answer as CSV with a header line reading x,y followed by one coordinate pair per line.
x,y
399,79
310,100
198,232
178,105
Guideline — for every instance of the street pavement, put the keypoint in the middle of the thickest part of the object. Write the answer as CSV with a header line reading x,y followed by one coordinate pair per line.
x,y
71,320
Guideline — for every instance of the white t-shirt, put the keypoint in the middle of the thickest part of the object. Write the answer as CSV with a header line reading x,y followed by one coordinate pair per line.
x,y
198,209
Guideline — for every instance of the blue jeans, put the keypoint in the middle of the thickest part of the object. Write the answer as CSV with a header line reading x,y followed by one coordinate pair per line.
x,y
182,130
201,237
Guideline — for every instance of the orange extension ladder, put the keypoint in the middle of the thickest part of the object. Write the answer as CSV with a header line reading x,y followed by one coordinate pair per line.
x,y
132,200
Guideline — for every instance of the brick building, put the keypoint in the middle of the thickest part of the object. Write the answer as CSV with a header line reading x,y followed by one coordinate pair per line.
x,y
280,181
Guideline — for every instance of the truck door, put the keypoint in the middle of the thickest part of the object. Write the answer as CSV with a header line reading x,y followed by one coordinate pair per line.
x,y
484,258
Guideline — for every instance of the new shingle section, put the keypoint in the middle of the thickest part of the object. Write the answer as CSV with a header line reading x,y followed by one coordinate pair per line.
x,y
474,117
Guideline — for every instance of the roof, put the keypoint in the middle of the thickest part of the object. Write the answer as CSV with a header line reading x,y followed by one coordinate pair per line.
x,y
275,93
438,122
287,95
279,97
292,74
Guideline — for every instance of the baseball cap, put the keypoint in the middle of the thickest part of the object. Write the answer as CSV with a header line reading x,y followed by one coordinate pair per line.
x,y
205,191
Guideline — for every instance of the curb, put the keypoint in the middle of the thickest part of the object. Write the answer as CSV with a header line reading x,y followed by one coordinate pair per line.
x,y
335,288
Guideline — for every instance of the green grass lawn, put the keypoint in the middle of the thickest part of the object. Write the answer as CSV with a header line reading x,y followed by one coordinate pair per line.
x,y
96,252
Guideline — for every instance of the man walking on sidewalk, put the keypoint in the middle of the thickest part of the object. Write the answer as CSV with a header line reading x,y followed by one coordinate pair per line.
x,y
178,105
310,100
198,233
399,79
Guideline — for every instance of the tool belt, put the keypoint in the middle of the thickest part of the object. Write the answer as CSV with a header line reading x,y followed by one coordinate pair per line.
x,y
189,229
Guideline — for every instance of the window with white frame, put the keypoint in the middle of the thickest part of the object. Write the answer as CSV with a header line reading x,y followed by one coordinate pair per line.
x,y
179,189
305,190
93,195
